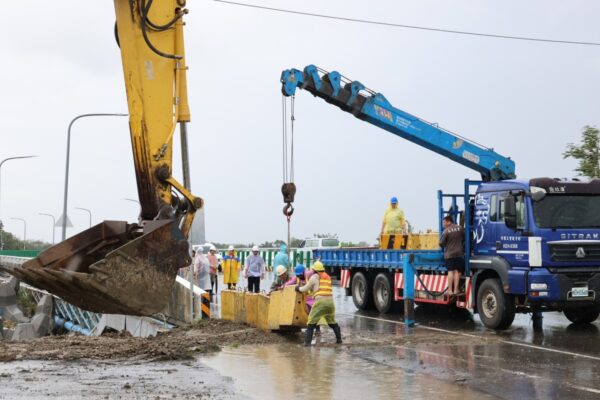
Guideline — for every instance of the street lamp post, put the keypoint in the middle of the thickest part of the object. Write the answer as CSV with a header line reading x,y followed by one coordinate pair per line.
x,y
1,227
53,224
24,229
64,216
134,201
88,211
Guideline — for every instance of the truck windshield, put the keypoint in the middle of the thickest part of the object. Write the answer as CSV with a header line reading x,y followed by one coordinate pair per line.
x,y
567,211
330,242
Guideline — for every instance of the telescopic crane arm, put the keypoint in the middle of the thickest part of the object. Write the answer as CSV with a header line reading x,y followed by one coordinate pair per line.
x,y
355,98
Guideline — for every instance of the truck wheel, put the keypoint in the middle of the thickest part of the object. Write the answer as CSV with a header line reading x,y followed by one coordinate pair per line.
x,y
496,309
383,296
582,315
361,292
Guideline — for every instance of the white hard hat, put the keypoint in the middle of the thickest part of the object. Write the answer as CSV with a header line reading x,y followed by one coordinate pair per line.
x,y
230,248
212,247
280,270
254,248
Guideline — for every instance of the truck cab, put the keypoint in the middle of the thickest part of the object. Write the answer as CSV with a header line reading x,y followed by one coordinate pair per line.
x,y
536,247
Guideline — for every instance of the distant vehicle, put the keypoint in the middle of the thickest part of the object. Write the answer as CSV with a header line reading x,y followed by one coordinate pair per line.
x,y
320,243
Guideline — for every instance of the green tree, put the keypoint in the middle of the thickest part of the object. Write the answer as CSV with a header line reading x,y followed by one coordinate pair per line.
x,y
587,153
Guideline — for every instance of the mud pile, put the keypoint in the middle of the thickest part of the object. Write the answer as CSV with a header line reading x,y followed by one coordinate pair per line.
x,y
178,344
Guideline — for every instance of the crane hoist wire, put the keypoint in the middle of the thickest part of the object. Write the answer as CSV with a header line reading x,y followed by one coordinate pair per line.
x,y
288,188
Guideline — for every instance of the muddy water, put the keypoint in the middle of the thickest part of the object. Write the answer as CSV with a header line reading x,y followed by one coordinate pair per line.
x,y
292,371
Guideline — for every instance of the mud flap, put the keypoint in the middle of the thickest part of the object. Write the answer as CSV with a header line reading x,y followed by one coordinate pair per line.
x,y
113,267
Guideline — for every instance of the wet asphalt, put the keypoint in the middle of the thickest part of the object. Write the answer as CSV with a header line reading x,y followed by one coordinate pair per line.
x,y
449,355
557,360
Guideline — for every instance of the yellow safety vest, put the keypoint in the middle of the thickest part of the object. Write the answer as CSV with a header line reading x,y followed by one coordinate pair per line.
x,y
324,285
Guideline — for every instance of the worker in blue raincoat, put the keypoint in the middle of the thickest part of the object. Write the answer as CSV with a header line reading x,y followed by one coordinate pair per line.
x,y
281,258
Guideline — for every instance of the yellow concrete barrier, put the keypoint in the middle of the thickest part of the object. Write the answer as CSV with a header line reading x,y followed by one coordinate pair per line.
x,y
251,305
262,317
292,311
227,305
274,308
239,307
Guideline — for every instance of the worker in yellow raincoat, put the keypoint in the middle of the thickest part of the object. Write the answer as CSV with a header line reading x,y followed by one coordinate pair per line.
x,y
393,219
231,268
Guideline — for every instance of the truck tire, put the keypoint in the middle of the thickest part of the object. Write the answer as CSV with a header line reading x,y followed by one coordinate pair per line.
x,y
496,309
361,292
582,315
383,296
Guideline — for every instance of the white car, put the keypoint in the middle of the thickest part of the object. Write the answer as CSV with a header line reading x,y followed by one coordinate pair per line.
x,y
320,243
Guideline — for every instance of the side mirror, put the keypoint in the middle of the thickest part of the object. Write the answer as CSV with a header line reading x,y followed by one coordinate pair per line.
x,y
510,212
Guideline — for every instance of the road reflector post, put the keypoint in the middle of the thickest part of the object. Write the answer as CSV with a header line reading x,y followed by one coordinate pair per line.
x,y
205,306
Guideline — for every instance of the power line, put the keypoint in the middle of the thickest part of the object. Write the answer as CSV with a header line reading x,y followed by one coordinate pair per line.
x,y
423,28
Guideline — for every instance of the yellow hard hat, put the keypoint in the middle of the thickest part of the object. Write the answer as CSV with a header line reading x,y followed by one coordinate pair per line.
x,y
318,267
280,270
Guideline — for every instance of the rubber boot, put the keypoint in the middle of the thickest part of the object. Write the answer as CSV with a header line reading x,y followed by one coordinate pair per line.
x,y
338,333
309,335
318,330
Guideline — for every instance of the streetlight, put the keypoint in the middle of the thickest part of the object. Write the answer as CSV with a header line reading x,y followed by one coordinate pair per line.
x,y
134,201
24,229
53,224
64,216
88,211
1,227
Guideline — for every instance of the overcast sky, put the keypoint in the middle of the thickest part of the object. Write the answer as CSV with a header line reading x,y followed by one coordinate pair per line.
x,y
525,99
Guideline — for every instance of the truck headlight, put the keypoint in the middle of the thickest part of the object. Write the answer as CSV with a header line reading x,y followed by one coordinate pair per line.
x,y
538,286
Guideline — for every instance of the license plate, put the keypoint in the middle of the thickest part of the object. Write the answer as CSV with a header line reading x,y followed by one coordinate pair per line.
x,y
579,291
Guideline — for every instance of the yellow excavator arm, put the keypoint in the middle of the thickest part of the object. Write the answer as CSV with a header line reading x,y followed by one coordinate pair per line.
x,y
117,267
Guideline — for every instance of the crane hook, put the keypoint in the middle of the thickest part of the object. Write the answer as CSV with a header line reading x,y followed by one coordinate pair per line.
x,y
288,210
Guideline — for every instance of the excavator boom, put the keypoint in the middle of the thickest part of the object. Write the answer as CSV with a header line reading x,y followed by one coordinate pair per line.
x,y
117,267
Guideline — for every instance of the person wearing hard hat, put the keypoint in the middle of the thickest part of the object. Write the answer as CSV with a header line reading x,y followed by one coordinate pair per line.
x,y
231,268
283,276
254,270
202,269
281,258
214,263
320,285
393,219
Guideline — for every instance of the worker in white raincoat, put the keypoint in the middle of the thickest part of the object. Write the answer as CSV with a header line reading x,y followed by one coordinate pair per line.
x,y
202,269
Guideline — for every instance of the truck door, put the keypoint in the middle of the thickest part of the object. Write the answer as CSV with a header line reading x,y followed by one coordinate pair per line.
x,y
510,243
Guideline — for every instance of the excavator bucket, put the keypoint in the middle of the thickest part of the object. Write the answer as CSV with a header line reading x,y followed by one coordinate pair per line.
x,y
113,267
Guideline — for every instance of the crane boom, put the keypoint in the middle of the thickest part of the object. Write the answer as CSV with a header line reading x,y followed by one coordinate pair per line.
x,y
374,108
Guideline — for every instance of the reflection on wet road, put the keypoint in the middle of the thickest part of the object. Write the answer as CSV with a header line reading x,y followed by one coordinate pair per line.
x,y
449,353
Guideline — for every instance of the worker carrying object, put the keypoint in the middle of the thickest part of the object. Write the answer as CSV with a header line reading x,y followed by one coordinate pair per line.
x,y
283,276
281,258
231,268
393,219
320,285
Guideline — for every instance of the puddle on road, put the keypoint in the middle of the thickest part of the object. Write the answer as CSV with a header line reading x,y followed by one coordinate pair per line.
x,y
292,371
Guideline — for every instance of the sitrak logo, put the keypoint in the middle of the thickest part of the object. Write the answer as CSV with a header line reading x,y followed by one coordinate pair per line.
x,y
580,253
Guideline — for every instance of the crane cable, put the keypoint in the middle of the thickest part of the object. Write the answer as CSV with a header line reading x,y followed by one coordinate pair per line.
x,y
288,188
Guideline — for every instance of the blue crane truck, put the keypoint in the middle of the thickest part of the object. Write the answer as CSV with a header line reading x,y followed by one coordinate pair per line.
x,y
532,245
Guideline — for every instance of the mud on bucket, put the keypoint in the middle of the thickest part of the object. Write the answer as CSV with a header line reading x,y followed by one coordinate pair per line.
x,y
113,267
